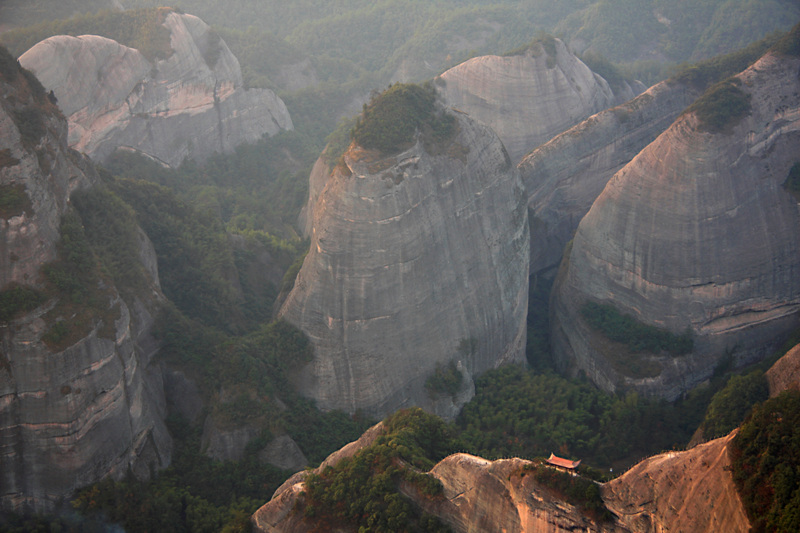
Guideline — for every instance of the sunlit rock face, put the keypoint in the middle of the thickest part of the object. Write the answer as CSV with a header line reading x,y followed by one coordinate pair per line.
x,y
531,97
416,260
680,491
565,175
71,416
697,233
189,105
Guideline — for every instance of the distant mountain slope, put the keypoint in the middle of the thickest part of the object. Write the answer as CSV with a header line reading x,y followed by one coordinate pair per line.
x,y
180,97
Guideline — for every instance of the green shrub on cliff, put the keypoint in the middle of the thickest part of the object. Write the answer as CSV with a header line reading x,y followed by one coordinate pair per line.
x,y
721,107
391,120
363,491
792,182
730,405
18,298
637,336
765,458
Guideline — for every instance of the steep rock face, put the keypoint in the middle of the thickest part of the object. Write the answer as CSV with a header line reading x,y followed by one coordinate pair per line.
x,y
680,491
565,175
696,232
529,98
416,260
68,417
190,104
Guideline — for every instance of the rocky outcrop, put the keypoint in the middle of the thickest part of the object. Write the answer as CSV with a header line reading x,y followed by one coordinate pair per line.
x,y
188,105
680,491
565,175
284,453
481,495
276,515
478,495
697,232
416,260
530,97
68,416
785,373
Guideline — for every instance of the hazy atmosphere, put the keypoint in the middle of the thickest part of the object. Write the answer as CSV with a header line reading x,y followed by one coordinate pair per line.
x,y
400,266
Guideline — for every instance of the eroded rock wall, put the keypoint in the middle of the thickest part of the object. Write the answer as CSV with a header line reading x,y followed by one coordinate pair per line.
x,y
696,233
73,415
188,105
416,260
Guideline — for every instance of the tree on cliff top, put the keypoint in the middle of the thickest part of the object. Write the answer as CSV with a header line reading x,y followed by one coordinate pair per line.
x,y
391,120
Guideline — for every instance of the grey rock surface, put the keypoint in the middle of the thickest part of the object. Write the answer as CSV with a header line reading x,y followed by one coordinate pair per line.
x,y
226,444
531,97
696,232
284,453
184,106
71,416
412,257
565,175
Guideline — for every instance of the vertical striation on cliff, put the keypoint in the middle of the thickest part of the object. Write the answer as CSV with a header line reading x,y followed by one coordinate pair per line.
x,y
417,260
68,415
530,97
565,175
697,233
189,104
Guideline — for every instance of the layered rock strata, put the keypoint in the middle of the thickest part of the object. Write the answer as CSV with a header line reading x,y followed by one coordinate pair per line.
x,y
417,260
697,233
530,97
188,105
565,175
71,416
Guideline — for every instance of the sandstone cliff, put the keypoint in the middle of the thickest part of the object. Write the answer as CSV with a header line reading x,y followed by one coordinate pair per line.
x,y
697,232
417,260
675,491
530,97
565,175
190,104
68,416
479,495
680,491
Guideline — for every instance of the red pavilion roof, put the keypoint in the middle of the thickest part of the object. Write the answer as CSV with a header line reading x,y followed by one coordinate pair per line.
x,y
563,463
